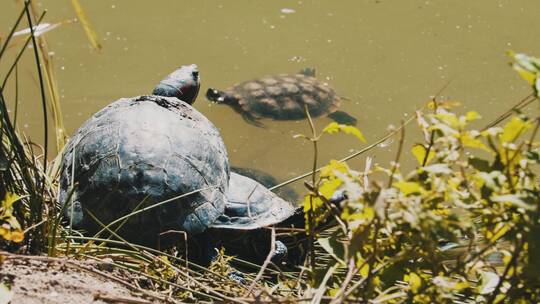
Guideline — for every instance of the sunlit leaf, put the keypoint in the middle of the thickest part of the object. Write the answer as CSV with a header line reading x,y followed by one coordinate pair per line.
x,y
419,152
409,187
513,200
446,129
489,281
17,236
414,280
9,200
448,104
526,62
472,115
365,215
334,165
514,128
528,76
9,234
470,142
449,119
328,188
438,169
334,127
364,271
500,230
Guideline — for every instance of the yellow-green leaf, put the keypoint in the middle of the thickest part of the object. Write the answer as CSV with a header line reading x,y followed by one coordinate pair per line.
x,y
409,187
9,200
8,234
513,200
500,231
526,75
488,283
449,119
328,188
472,115
467,140
414,280
419,152
513,129
334,127
334,165
364,271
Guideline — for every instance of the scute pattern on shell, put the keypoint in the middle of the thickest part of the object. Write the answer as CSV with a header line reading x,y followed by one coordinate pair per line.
x,y
251,205
147,148
283,97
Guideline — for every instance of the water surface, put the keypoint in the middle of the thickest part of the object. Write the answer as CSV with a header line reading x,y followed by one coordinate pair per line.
x,y
388,57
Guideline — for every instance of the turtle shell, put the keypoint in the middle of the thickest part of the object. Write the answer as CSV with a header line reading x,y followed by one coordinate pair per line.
x,y
249,209
283,97
250,206
137,152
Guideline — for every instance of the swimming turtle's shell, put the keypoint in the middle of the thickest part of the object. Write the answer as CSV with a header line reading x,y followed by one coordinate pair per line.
x,y
145,149
284,96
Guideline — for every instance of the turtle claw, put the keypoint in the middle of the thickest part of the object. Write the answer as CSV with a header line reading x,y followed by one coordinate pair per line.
x,y
237,276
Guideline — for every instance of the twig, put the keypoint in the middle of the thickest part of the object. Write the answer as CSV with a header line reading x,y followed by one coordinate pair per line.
x,y
533,135
265,264
311,241
515,256
351,156
520,105
361,281
398,155
338,298
115,299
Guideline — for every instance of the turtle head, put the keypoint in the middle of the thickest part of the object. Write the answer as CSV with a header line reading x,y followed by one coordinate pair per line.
x,y
184,84
218,96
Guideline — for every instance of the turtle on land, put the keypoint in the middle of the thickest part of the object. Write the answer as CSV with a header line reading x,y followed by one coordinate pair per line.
x,y
142,150
282,97
244,228
158,155
251,210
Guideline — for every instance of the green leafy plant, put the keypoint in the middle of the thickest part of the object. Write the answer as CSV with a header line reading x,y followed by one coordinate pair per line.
x,y
463,226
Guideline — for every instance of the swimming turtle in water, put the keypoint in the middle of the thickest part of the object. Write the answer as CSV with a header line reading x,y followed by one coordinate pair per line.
x,y
157,154
282,97
268,181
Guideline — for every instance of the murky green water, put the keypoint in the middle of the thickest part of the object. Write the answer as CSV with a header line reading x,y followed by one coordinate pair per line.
x,y
387,56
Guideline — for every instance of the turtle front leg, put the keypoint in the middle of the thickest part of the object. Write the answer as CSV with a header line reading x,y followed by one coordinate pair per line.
x,y
280,253
252,120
